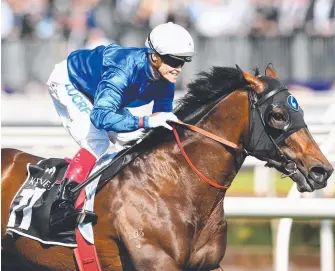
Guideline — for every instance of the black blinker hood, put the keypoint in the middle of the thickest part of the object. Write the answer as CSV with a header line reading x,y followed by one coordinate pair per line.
x,y
275,93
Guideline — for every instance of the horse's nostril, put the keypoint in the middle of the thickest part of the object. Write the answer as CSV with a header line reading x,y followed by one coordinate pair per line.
x,y
320,173
318,170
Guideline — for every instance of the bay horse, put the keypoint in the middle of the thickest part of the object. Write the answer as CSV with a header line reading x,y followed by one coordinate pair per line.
x,y
157,214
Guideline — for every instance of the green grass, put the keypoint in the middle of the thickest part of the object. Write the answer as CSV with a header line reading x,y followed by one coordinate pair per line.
x,y
249,233
244,184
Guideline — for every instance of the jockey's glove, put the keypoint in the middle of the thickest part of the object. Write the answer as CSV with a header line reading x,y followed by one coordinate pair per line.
x,y
160,120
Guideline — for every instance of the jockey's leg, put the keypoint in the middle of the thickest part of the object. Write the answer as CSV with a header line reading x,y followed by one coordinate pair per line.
x,y
74,109
63,213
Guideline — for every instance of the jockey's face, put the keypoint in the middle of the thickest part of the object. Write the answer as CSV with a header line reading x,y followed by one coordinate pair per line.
x,y
170,73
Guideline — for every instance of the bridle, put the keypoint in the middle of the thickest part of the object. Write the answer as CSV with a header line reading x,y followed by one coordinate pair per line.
x,y
289,167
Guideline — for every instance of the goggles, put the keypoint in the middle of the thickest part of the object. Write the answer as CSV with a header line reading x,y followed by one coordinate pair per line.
x,y
173,61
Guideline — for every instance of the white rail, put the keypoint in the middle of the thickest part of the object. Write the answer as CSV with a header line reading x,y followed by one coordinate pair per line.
x,y
283,236
327,245
326,232
251,207
288,208
55,141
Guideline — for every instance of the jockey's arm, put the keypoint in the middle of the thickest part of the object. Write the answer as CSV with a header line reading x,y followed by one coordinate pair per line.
x,y
107,104
164,102
106,114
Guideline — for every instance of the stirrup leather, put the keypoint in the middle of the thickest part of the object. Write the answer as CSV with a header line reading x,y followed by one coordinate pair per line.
x,y
73,218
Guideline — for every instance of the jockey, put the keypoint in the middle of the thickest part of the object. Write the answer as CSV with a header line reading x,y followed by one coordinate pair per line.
x,y
92,89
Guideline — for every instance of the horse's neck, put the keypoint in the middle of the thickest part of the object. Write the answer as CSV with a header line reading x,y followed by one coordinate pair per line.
x,y
164,175
229,120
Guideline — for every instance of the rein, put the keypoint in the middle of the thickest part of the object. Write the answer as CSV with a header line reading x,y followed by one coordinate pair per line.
x,y
209,135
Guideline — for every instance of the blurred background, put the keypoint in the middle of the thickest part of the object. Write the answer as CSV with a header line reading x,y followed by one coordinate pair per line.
x,y
297,36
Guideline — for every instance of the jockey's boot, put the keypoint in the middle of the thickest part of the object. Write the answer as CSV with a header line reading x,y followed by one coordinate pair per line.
x,y
63,214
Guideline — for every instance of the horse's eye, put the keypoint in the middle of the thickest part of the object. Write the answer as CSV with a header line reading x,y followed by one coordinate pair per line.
x,y
278,117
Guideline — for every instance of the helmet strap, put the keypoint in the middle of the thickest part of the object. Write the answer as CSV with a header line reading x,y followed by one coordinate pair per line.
x,y
155,59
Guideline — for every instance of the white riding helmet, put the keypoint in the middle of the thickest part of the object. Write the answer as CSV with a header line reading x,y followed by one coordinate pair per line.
x,y
171,39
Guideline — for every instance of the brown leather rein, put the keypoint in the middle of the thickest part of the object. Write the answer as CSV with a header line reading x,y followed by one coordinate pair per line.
x,y
188,126
209,135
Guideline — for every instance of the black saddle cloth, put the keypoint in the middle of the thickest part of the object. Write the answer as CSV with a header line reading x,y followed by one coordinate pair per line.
x,y
30,208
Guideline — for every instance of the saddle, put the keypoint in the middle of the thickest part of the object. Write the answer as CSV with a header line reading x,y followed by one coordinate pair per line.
x,y
31,207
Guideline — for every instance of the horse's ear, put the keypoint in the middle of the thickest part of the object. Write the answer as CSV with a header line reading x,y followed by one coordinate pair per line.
x,y
270,71
252,80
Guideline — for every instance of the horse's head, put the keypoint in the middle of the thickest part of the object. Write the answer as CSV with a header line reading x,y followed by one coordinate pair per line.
x,y
278,133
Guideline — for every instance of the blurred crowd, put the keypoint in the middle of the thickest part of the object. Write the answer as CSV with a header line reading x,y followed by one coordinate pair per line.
x,y
88,22
40,33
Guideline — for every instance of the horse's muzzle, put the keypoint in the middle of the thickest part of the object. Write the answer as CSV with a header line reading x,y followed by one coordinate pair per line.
x,y
320,173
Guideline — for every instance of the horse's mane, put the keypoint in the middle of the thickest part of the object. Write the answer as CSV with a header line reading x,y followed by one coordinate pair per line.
x,y
209,88
203,94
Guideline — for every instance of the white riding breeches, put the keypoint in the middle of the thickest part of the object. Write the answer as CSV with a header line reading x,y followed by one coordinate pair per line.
x,y
74,109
